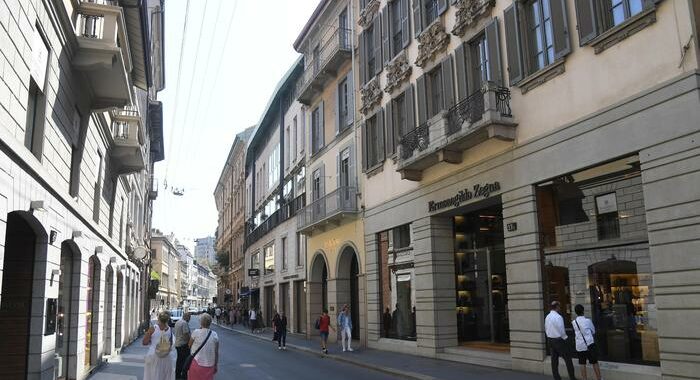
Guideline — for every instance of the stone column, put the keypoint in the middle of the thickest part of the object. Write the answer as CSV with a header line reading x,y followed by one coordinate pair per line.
x,y
436,319
372,288
524,279
671,182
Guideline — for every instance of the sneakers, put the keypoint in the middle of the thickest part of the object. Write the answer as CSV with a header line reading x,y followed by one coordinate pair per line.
x,y
343,349
350,349
284,348
279,347
325,351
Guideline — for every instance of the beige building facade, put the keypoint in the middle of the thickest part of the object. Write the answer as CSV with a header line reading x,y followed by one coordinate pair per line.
x,y
518,153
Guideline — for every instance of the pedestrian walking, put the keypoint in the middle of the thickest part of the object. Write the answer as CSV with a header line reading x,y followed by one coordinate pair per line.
x,y
585,343
159,363
345,327
182,340
205,343
323,324
253,316
217,312
556,337
280,326
245,317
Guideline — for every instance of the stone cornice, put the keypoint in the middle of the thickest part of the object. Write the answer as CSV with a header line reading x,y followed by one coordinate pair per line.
x,y
397,71
468,11
431,41
368,13
371,94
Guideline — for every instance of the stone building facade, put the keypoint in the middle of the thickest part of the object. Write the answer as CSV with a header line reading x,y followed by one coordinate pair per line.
x,y
80,130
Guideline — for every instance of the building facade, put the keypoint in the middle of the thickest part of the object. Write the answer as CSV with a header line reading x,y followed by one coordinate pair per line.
x,y
204,251
165,268
332,221
80,130
275,193
513,156
229,196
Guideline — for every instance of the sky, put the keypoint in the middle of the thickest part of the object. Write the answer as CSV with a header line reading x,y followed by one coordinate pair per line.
x,y
233,54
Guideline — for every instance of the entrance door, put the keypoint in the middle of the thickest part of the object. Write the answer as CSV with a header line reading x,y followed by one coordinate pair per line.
x,y
355,299
300,306
269,304
108,322
65,312
120,310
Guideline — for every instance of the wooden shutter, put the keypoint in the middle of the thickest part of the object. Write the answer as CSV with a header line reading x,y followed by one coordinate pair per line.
x,y
322,180
386,41
363,58
494,47
422,105
351,98
390,142
405,23
337,168
417,17
380,135
461,71
363,128
513,50
338,94
352,178
321,128
448,87
410,111
442,6
377,34
586,21
560,28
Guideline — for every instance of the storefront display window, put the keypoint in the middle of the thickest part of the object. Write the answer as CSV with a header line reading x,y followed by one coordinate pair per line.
x,y
397,284
596,254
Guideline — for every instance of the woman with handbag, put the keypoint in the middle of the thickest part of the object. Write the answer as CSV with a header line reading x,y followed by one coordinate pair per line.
x,y
160,358
585,343
204,345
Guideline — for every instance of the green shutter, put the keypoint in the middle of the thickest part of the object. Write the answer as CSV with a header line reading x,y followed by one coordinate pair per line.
x,y
461,71
405,23
422,105
560,28
390,142
513,49
586,21
377,34
417,17
494,50
448,89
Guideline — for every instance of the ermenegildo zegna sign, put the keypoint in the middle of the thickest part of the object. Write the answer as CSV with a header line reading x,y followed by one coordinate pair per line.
x,y
478,191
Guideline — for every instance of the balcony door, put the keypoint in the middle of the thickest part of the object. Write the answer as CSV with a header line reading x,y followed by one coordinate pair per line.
x,y
344,177
316,194
342,28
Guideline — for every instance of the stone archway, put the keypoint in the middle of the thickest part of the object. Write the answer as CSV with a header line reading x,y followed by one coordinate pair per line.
x,y
25,242
68,314
119,315
108,326
318,286
92,312
347,286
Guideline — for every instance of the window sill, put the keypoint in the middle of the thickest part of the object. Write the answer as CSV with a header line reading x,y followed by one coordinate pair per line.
x,y
541,76
374,170
620,32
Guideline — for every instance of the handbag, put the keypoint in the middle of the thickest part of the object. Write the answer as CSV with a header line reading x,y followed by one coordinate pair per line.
x,y
164,345
317,324
188,361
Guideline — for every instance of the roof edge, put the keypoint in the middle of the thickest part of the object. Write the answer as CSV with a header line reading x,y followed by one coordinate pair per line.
x,y
312,20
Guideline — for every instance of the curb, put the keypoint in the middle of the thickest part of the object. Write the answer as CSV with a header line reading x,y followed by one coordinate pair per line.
x,y
378,368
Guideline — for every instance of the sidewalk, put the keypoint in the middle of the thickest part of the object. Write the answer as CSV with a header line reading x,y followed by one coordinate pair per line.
x,y
126,366
403,365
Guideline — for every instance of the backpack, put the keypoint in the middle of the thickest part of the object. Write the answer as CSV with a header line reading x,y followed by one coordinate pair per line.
x,y
164,345
317,324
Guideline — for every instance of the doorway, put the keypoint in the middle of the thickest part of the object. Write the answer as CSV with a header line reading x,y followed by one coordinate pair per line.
x,y
318,287
347,287
269,311
300,306
120,310
481,286
108,322
65,352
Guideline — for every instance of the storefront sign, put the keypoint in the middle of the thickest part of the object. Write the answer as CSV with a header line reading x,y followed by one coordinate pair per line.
x,y
253,272
478,191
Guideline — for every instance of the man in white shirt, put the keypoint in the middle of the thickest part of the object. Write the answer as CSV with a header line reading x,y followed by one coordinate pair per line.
x,y
585,343
217,312
182,338
556,338
253,319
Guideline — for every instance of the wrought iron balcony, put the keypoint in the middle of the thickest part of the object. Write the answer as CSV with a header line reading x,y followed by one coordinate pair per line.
x,y
330,208
287,211
335,49
103,52
483,115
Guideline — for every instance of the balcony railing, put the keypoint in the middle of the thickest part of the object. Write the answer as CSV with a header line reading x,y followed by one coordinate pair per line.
x,y
288,210
335,48
483,115
333,205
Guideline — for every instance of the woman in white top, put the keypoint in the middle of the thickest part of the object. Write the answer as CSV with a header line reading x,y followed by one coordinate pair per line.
x,y
585,343
160,359
205,363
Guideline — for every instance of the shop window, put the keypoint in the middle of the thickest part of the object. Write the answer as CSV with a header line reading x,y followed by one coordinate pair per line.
x,y
397,288
402,236
612,280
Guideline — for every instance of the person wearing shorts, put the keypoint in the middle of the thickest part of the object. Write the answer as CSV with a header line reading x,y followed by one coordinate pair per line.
x,y
585,343
324,327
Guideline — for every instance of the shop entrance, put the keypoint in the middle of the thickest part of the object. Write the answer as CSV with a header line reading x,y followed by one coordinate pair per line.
x,y
269,305
347,287
480,270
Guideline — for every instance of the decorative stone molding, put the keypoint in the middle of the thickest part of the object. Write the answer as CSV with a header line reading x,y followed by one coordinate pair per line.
x,y
542,76
368,13
371,94
431,41
397,71
469,11
624,30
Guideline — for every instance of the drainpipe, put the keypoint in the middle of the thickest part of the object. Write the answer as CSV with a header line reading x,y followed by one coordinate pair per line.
x,y
358,159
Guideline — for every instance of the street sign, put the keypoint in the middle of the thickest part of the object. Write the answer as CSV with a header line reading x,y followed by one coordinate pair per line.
x,y
253,272
228,291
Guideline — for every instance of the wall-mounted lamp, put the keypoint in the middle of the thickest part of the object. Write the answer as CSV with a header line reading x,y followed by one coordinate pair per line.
x,y
77,234
36,206
112,260
98,249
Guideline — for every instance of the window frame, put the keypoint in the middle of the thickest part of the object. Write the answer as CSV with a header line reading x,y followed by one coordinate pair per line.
x,y
539,18
435,91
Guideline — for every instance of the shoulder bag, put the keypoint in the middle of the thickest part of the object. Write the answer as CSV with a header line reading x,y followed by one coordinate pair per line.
x,y
583,334
188,362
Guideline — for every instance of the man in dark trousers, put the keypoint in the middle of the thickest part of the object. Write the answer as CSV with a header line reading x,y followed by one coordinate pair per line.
x,y
556,337
182,338
280,323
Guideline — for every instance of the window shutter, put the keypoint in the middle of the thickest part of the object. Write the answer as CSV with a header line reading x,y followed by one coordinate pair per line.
x,y
351,98
448,87
322,181
377,34
321,128
417,17
389,129
515,63
422,105
338,93
410,113
380,136
363,129
405,23
386,41
585,17
337,168
442,6
560,28
352,178
461,70
494,47
363,58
